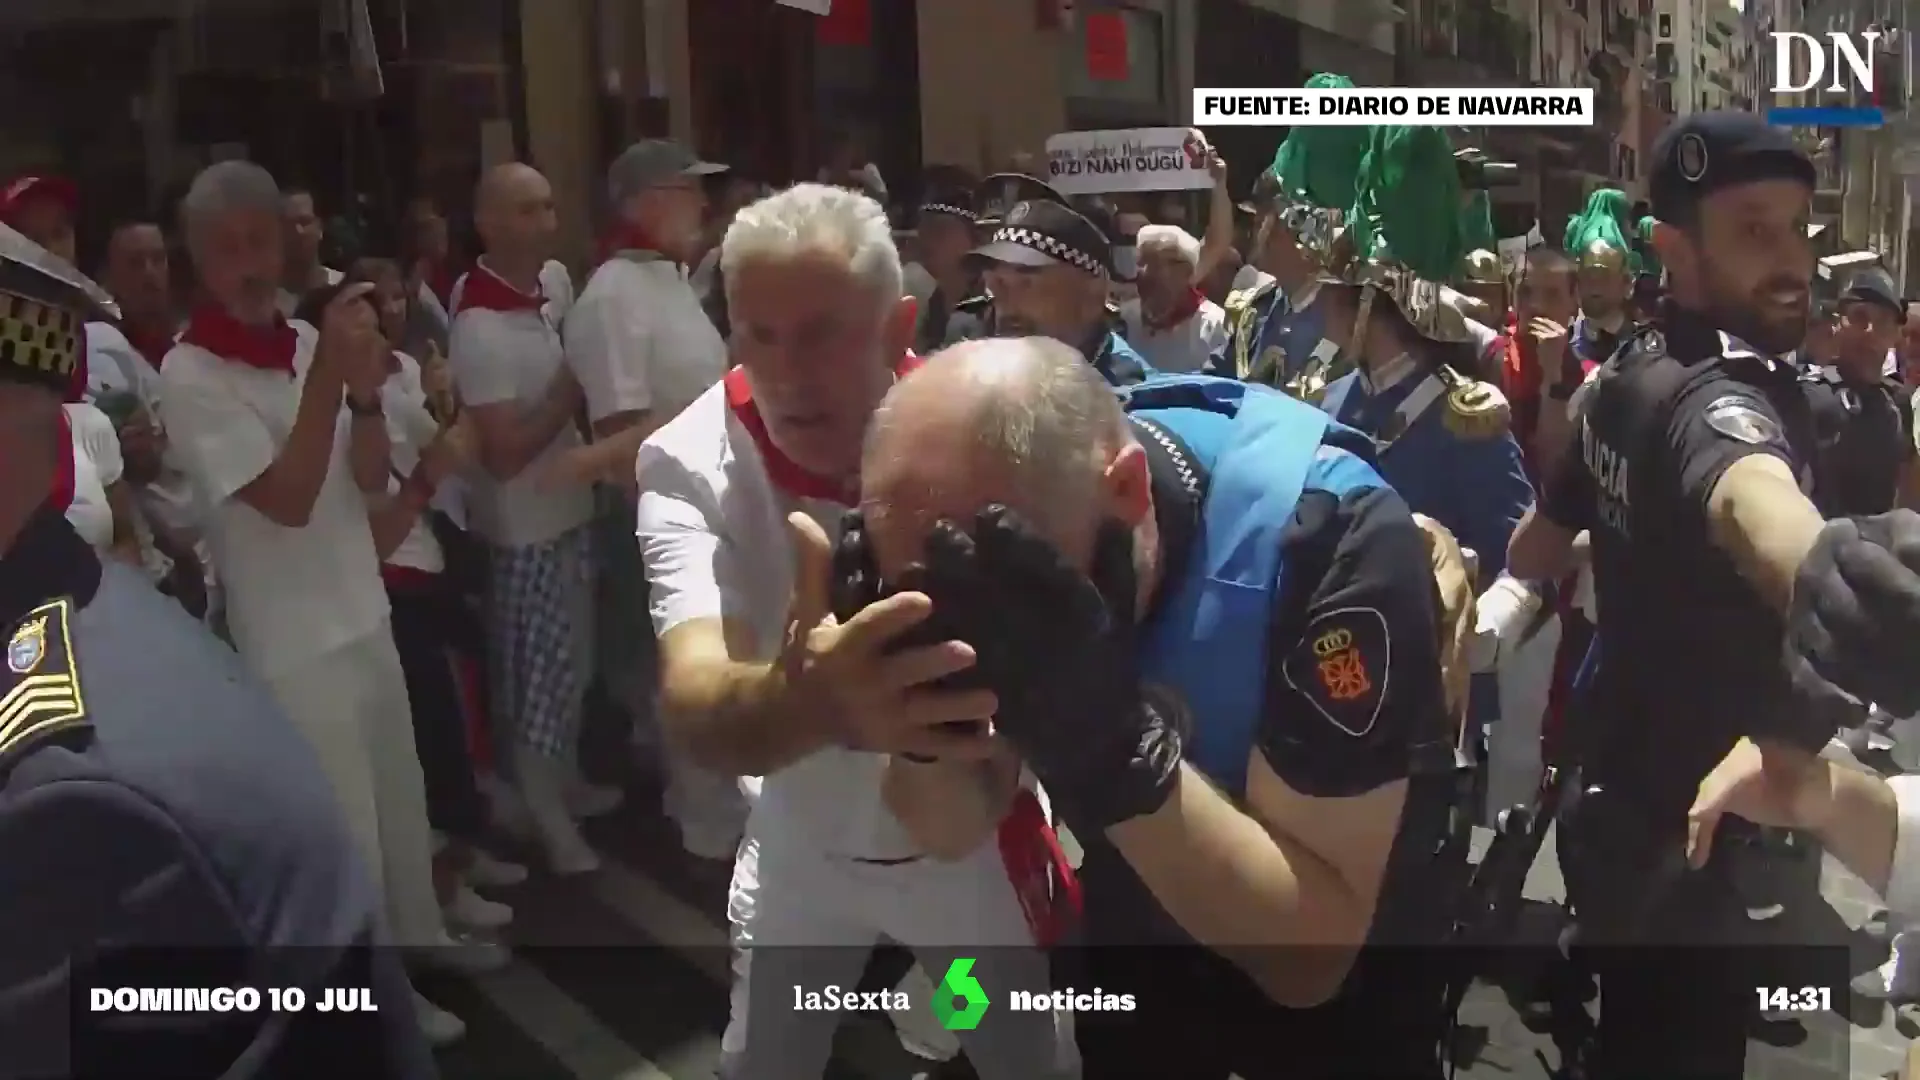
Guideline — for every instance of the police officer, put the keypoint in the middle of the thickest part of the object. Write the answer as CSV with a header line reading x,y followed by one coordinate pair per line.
x,y
161,823
1049,269
973,317
1277,330
1864,417
1266,761
946,233
1690,468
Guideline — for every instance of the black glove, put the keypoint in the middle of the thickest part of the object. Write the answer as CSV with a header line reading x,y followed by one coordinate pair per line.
x,y
1058,648
1856,611
856,582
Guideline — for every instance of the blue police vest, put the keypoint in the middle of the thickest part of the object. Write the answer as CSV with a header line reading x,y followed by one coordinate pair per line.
x,y
1207,646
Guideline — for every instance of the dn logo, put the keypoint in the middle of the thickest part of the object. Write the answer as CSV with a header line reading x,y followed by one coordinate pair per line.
x,y
1853,51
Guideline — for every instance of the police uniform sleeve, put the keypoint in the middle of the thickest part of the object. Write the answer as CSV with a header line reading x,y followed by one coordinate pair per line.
x,y
1716,422
1355,642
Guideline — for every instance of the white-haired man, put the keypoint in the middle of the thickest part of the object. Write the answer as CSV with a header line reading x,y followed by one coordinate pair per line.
x,y
1172,323
1210,630
282,430
758,681
507,360
644,349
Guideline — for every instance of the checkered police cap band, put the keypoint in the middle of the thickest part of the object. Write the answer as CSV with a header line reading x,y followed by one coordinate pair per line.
x,y
38,342
1051,246
946,208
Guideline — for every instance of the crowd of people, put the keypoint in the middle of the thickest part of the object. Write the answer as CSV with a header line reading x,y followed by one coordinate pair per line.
x,y
1264,562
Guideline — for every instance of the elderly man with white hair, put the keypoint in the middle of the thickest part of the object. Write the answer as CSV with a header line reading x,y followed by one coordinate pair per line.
x,y
759,680
1172,323
282,430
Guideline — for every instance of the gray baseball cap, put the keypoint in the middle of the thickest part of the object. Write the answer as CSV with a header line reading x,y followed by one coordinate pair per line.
x,y
651,163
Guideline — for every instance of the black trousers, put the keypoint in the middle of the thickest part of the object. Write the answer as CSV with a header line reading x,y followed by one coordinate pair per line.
x,y
429,623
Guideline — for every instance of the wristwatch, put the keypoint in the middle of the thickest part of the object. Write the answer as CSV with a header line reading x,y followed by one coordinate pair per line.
x,y
365,410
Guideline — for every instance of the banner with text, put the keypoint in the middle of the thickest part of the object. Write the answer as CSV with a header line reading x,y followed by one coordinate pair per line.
x,y
1130,159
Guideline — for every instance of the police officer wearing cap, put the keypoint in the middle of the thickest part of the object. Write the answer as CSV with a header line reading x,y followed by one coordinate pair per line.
x,y
973,317
1690,471
1864,417
945,234
161,823
1049,269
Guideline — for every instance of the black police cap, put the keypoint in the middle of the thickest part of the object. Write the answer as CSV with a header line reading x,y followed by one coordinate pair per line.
x,y
1702,152
998,193
1872,285
1045,233
950,202
45,305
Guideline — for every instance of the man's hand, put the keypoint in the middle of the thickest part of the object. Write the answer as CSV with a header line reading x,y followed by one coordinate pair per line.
x,y
1792,791
865,680
1216,165
350,341
1855,611
141,445
1549,345
451,452
1058,646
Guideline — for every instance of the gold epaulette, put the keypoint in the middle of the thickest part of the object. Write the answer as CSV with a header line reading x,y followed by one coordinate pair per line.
x,y
42,684
1240,319
1475,410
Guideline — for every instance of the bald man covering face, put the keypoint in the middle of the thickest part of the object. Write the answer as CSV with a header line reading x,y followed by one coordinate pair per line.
x,y
507,363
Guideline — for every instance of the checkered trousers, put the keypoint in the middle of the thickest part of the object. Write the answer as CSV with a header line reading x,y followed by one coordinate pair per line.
x,y
540,641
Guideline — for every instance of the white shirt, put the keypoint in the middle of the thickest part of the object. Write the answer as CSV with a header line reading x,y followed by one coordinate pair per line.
x,y
511,357
288,300
114,366
410,429
1183,347
1249,276
639,340
713,531
96,467
293,594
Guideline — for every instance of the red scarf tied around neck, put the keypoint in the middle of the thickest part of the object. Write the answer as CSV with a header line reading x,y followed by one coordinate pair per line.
x,y
487,291
268,348
1180,312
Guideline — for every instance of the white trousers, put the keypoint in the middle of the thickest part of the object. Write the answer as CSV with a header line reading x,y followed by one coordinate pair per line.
x,y
351,704
1513,746
808,920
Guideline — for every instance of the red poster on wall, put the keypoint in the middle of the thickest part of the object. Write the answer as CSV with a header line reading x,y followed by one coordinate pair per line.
x,y
1106,41
847,22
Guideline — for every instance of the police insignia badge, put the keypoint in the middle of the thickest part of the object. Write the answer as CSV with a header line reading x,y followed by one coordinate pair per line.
x,y
1341,667
1737,419
28,647
1692,158
1167,704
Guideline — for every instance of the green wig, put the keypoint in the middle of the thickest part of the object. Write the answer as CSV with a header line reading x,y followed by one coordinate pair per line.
x,y
1407,210
1321,164
1649,262
1607,219
1476,222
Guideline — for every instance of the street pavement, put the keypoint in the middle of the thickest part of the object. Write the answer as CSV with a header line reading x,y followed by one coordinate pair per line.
x,y
622,975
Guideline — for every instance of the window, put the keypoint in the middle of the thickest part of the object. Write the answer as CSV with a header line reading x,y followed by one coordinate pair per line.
x,y
1666,26
1144,84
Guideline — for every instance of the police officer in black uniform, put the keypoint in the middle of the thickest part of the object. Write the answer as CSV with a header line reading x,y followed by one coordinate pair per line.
x,y
1690,470
162,825
992,198
1863,415
946,225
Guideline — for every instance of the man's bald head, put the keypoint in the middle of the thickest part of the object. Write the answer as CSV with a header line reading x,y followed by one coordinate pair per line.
x,y
1022,421
513,211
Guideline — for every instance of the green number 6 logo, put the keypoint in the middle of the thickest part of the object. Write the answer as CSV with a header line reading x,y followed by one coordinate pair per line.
x,y
959,1002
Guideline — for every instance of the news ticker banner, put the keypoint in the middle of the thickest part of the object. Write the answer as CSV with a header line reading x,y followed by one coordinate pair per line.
x,y
177,1013
1423,106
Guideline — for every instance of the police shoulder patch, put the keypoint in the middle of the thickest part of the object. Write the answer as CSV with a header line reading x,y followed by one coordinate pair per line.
x,y
1341,667
1738,418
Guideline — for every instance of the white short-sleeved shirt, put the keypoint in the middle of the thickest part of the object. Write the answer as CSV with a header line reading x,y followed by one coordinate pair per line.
x,y
639,340
511,357
293,594
712,528
1183,347
96,467
410,430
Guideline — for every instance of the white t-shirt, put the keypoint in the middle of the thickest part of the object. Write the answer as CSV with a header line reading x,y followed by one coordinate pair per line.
x,y
511,357
288,300
410,430
96,467
1181,348
639,340
713,531
293,594
114,366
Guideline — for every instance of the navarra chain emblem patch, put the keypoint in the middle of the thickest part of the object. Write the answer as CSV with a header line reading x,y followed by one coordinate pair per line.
x,y
1341,667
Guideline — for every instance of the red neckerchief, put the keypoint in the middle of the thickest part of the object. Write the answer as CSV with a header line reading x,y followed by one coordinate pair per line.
x,y
269,348
440,277
629,237
787,474
151,345
1180,312
488,291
